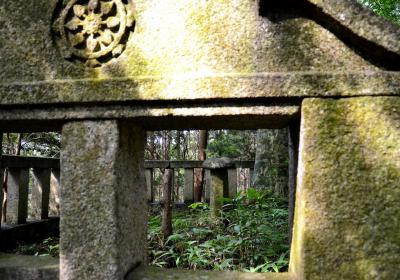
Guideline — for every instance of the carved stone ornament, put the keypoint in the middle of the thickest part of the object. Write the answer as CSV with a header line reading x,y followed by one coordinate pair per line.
x,y
93,31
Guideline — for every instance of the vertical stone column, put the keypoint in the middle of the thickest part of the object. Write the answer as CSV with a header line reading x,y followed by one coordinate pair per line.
x,y
54,201
251,175
219,187
347,216
189,185
1,178
40,193
232,182
149,184
17,195
293,137
103,200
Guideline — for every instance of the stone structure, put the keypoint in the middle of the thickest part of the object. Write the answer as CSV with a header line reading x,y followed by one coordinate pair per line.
x,y
103,71
219,184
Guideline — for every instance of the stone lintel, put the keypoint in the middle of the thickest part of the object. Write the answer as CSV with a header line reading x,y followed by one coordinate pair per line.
x,y
291,84
174,116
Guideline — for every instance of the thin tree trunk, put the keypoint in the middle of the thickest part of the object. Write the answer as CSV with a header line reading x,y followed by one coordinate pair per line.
x,y
199,176
270,167
178,157
166,226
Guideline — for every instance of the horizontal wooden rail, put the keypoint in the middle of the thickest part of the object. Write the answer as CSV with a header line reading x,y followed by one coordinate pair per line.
x,y
191,164
29,162
45,173
45,162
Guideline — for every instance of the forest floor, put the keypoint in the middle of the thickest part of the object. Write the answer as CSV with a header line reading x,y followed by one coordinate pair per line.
x,y
251,235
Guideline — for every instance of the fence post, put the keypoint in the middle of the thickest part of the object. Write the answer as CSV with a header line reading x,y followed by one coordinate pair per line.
x,y
188,187
149,184
17,195
251,175
207,185
40,193
219,183
232,182
54,201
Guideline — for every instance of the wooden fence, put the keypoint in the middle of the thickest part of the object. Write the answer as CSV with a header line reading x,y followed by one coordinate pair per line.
x,y
35,181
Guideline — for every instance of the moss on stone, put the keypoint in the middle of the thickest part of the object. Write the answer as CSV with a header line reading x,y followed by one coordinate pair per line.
x,y
346,224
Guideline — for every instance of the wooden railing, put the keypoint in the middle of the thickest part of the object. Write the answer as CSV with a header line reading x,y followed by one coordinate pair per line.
x,y
188,186
41,189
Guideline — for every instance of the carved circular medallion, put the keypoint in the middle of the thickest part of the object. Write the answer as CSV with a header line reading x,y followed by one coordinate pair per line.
x,y
93,31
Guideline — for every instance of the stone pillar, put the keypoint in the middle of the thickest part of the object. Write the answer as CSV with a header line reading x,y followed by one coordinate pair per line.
x,y
293,137
1,178
347,216
54,201
232,182
207,185
103,200
149,184
40,193
219,183
251,175
189,185
1,194
17,195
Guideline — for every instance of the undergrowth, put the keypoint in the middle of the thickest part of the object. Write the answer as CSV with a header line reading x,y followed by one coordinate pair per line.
x,y
251,235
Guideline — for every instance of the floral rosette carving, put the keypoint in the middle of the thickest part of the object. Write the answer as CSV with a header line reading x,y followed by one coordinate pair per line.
x,y
94,31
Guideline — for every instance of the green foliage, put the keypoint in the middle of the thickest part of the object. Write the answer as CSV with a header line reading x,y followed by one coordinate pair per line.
x,y
44,144
47,247
389,9
232,143
252,236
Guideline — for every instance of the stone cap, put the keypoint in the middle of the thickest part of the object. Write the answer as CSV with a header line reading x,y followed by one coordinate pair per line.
x,y
362,22
216,163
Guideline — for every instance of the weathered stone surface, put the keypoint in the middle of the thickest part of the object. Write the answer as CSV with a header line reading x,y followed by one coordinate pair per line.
x,y
188,186
219,189
40,193
153,273
347,211
232,182
19,267
362,22
189,49
55,190
17,195
217,163
173,116
103,200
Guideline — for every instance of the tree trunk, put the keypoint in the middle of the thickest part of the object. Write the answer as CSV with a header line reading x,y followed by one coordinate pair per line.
x,y
271,164
178,157
166,226
199,174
